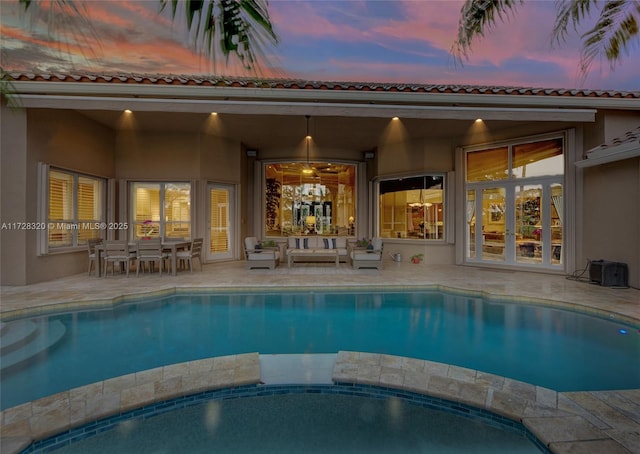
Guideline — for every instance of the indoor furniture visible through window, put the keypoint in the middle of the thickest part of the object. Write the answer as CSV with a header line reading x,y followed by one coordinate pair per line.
x,y
412,207
160,210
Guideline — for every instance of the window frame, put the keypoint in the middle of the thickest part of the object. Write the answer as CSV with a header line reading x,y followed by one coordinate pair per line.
x,y
73,223
162,223
447,202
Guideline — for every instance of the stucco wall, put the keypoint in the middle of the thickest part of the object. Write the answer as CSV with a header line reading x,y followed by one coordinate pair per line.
x,y
611,199
71,141
13,201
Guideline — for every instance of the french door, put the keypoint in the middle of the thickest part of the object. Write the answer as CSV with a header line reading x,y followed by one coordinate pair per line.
x,y
221,207
515,223
514,204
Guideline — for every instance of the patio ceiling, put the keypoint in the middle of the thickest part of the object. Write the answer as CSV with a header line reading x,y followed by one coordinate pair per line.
x,y
269,131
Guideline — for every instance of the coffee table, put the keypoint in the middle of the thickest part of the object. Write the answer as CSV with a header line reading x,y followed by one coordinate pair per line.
x,y
303,253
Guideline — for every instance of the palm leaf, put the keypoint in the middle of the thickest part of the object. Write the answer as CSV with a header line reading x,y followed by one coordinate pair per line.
x,y
477,16
235,27
67,23
612,34
569,11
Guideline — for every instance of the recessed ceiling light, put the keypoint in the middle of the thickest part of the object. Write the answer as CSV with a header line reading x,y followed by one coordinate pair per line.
x,y
396,118
214,113
478,120
127,111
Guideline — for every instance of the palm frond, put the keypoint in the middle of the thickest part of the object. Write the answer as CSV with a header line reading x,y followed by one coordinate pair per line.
x,y
7,90
477,16
235,27
68,24
612,35
569,12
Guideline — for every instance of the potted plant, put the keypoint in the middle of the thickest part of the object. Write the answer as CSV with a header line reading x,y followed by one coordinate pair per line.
x,y
416,258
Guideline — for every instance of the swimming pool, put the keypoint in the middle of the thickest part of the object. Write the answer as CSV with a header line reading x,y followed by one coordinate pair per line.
x,y
546,346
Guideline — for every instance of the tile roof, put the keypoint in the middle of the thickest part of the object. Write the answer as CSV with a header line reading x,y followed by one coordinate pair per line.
x,y
245,82
630,137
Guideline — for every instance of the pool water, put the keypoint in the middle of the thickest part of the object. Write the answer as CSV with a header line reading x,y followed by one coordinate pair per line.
x,y
309,423
557,349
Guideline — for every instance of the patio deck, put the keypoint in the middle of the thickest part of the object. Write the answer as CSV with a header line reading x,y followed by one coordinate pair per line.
x,y
588,422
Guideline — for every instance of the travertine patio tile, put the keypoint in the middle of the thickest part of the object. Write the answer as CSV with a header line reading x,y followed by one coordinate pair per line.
x,y
588,447
563,428
369,359
50,423
83,392
622,401
117,384
18,413
445,387
225,377
519,388
102,405
173,370
50,403
604,412
415,381
546,397
462,374
413,364
434,368
247,375
200,366
507,404
345,372
224,362
137,396
247,359
77,412
149,376
473,394
346,357
194,383
391,361
19,428
368,374
630,440
392,377
169,388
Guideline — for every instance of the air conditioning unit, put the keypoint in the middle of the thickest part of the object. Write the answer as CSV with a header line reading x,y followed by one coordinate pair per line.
x,y
609,274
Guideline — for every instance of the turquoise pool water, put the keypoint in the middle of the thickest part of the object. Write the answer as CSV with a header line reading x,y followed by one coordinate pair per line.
x,y
558,349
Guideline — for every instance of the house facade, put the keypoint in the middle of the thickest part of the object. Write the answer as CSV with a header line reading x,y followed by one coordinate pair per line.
x,y
513,178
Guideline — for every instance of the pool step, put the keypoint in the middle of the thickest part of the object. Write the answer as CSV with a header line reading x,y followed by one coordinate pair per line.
x,y
24,339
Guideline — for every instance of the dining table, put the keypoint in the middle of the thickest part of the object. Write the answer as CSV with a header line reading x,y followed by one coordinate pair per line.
x,y
170,246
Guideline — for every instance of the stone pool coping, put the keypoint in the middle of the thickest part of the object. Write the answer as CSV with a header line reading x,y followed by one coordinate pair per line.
x,y
566,423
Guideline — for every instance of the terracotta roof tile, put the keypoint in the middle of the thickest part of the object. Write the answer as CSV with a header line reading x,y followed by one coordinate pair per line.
x,y
294,84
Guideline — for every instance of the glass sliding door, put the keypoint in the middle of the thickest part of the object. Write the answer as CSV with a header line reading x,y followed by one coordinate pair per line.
x,y
220,232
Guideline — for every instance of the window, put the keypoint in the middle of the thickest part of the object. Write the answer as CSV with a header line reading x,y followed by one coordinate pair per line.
x,y
161,210
318,197
412,207
75,208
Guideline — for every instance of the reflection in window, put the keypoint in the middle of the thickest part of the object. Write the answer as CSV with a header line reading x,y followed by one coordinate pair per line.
x,y
538,159
488,165
412,207
161,210
294,196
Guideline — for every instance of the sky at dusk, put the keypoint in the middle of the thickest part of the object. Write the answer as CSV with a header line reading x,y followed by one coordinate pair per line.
x,y
357,41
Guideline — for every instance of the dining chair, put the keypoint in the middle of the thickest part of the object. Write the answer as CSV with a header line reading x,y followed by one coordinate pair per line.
x,y
117,252
150,251
194,251
91,247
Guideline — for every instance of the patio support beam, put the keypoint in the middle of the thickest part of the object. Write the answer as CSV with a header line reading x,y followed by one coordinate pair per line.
x,y
307,108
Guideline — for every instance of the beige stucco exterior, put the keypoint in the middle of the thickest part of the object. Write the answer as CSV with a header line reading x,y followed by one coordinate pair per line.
x,y
166,144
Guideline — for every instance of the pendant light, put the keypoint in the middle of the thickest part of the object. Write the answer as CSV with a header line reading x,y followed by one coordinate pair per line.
x,y
307,168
